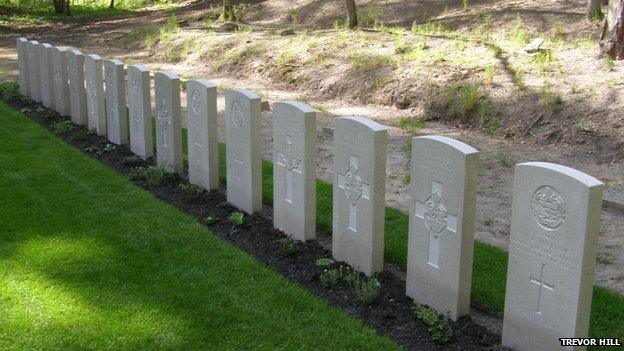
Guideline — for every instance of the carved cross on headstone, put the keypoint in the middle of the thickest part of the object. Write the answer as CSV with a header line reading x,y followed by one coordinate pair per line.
x,y
238,163
92,102
437,219
542,285
292,165
163,120
354,189
135,118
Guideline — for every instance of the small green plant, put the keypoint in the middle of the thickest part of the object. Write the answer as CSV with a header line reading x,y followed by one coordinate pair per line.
x,y
558,31
325,262
604,258
504,159
132,160
62,127
543,60
439,324
519,37
154,175
463,100
330,277
191,191
488,221
293,16
366,289
108,148
551,98
237,218
411,125
287,245
609,63
465,2
370,17
360,60
211,219
489,74
93,149
9,91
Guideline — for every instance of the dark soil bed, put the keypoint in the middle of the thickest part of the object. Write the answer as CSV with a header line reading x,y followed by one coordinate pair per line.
x,y
391,313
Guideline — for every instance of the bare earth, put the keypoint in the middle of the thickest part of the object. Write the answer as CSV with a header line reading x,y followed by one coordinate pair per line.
x,y
585,135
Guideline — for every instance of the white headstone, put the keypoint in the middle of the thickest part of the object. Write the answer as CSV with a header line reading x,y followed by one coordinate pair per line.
x,y
116,119
441,232
168,119
95,94
359,193
203,146
243,150
552,252
294,171
23,67
60,81
33,63
47,86
77,92
140,111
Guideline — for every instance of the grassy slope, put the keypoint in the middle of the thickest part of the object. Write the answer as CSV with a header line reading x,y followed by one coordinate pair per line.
x,y
89,261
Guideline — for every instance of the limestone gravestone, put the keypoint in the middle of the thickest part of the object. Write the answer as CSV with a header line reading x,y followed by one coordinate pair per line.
x,y
552,252
359,193
243,150
77,92
140,111
168,130
116,119
294,172
33,63
203,146
441,231
23,67
47,86
95,94
60,81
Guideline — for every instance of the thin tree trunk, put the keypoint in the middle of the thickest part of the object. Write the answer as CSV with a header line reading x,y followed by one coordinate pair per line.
x,y
226,13
352,13
614,44
112,4
67,10
59,6
594,9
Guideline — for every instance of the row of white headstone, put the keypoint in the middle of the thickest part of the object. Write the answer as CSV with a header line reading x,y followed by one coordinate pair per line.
x,y
556,210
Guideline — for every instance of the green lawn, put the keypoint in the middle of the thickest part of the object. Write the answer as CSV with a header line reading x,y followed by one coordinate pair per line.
x,y
90,261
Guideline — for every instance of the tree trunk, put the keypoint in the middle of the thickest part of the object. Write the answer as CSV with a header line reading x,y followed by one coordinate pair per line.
x,y
594,9
112,4
59,6
67,10
352,13
613,45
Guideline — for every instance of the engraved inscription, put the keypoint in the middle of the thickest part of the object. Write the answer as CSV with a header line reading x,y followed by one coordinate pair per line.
x,y
163,119
292,164
134,85
548,207
237,114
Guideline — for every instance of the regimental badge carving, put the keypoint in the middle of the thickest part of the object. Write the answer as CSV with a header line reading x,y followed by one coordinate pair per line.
x,y
134,85
436,216
548,207
288,157
195,101
353,182
237,114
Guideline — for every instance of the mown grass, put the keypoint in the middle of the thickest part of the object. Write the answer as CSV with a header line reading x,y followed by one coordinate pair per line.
x,y
90,261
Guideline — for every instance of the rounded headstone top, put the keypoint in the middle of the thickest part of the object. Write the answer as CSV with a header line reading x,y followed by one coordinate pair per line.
x,y
244,92
166,74
584,178
372,125
205,82
456,144
305,108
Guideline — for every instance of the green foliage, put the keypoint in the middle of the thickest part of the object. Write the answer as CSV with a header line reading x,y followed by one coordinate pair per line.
x,y
609,63
505,160
293,16
325,262
211,219
439,324
519,36
429,28
465,2
551,98
62,127
191,191
370,17
543,60
132,160
331,276
287,245
153,175
9,91
366,289
363,61
489,74
463,100
237,218
411,125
